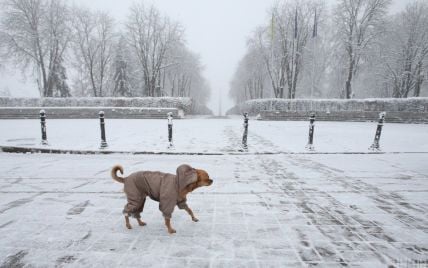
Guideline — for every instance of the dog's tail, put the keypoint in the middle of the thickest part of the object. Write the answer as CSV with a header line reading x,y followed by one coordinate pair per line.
x,y
114,175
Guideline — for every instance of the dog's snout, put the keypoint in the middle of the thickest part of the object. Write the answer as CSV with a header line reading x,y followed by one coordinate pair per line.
x,y
210,182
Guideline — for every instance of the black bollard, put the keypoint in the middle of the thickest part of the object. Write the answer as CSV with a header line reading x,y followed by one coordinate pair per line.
x,y
170,145
310,145
43,125
375,145
244,137
103,131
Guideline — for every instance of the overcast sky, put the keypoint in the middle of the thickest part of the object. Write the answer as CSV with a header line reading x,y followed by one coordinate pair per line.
x,y
217,30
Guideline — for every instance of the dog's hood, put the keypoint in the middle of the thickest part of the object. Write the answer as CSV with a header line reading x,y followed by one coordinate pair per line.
x,y
185,176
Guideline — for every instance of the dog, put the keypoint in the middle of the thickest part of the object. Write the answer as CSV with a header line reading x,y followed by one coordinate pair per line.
x,y
168,189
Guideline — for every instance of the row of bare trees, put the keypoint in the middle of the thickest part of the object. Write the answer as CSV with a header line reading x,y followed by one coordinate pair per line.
x,y
355,50
404,52
35,34
146,56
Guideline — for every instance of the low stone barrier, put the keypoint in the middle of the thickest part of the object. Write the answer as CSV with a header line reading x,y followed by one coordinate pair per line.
x,y
411,110
88,112
146,102
89,107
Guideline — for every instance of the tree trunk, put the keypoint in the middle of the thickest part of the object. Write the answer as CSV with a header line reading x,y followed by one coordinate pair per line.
x,y
281,86
296,75
419,81
94,87
42,67
396,90
348,84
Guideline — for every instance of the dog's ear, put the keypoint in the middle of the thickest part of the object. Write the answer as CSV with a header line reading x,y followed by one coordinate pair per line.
x,y
186,175
189,172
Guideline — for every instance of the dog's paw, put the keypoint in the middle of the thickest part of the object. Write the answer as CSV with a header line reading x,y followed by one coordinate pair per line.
x,y
172,231
128,226
141,223
195,219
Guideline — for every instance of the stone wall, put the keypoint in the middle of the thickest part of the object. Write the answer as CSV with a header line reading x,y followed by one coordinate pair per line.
x,y
125,107
398,110
88,112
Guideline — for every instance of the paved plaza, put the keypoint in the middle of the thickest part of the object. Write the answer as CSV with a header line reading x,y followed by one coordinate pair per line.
x,y
279,210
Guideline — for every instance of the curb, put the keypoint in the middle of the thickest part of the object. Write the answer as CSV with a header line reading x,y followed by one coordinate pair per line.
x,y
27,150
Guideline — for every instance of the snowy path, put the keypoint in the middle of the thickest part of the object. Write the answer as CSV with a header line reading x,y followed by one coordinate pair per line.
x,y
262,211
214,135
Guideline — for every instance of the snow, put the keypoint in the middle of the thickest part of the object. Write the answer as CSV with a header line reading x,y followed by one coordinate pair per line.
x,y
261,211
287,209
214,135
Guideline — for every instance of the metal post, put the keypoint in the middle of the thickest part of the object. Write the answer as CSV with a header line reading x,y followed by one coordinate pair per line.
x,y
103,131
43,125
375,145
244,137
310,145
170,145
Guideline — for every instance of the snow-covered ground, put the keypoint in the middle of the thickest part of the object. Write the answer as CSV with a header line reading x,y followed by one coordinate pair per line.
x,y
212,135
280,210
262,211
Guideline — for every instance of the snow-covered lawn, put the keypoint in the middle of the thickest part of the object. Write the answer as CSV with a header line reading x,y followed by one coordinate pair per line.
x,y
212,135
262,211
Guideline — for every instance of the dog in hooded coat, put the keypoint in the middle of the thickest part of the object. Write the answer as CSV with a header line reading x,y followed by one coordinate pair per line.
x,y
168,189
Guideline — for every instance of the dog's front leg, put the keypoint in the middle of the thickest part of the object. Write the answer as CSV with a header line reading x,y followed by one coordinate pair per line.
x,y
191,214
168,225
140,222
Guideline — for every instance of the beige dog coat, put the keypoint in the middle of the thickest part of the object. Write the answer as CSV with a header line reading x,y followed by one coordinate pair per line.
x,y
161,187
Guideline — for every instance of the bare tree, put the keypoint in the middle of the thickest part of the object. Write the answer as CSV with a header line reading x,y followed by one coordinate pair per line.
x,y
250,79
272,58
93,47
151,35
282,44
182,75
36,33
359,24
59,38
122,85
406,50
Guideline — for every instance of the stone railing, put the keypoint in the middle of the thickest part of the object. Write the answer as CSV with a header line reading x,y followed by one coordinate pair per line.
x,y
85,107
414,110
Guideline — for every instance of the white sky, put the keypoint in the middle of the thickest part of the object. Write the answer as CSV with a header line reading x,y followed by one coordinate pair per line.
x,y
216,30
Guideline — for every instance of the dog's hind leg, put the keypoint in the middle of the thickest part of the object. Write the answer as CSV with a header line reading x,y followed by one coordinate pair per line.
x,y
128,225
138,216
133,208
127,211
